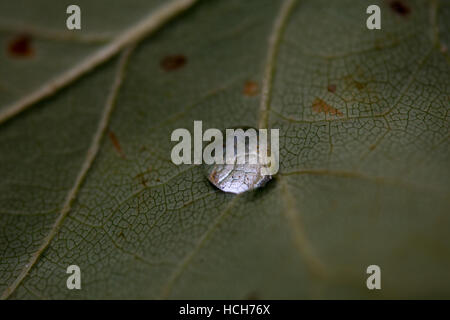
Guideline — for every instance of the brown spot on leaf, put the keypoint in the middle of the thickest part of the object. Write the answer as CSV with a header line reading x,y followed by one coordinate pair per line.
x,y
144,182
372,147
20,46
173,62
400,7
214,176
360,85
250,88
139,175
116,143
379,44
253,296
332,88
321,106
143,148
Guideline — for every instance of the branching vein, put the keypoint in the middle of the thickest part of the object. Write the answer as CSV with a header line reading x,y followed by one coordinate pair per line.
x,y
90,157
165,292
269,71
132,35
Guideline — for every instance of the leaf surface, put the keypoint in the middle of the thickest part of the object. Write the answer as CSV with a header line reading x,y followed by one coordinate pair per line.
x,y
86,175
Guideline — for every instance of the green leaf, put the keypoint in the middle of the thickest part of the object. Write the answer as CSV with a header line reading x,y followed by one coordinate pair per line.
x,y
86,176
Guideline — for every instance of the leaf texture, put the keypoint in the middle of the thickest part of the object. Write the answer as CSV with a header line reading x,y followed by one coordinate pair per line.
x,y
86,175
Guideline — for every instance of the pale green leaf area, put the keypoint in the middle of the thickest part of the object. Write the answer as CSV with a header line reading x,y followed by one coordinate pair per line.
x,y
86,176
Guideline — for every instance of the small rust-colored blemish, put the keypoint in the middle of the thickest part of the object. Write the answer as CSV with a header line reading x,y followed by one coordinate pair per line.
x,y
144,182
253,296
332,88
213,176
20,46
360,85
250,88
321,106
142,179
116,143
372,147
140,175
399,7
378,44
142,149
173,62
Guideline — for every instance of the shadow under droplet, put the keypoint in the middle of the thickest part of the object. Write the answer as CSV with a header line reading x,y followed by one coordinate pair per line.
x,y
263,191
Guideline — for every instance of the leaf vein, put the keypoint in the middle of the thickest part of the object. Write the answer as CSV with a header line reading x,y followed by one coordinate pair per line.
x,y
269,71
90,157
132,35
167,288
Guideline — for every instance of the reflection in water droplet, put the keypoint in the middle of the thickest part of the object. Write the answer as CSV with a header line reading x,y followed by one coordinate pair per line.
x,y
237,177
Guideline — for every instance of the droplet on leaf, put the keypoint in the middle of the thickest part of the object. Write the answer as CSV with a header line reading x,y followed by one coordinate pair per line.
x,y
239,177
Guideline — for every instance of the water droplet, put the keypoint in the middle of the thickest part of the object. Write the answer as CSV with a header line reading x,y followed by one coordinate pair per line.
x,y
242,175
